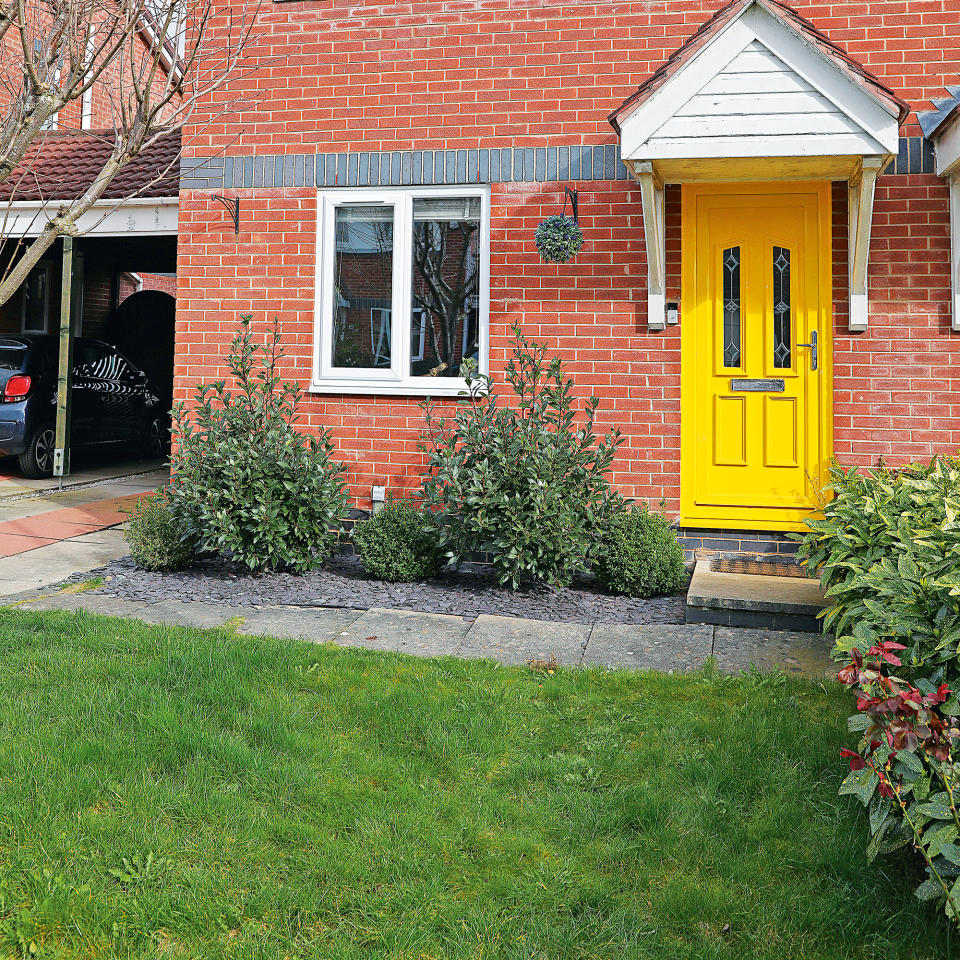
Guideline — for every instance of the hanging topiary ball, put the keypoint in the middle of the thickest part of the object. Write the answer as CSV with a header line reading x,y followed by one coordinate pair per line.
x,y
559,239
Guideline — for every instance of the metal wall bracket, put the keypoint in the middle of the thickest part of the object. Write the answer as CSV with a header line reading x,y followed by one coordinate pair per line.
x,y
233,208
574,197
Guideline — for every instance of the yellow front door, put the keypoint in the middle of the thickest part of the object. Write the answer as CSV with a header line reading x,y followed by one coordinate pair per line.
x,y
756,413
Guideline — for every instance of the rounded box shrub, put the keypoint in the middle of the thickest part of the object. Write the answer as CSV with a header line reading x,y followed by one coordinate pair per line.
x,y
395,544
157,537
641,555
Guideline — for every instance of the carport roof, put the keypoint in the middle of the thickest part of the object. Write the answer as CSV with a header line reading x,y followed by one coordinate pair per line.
x,y
63,164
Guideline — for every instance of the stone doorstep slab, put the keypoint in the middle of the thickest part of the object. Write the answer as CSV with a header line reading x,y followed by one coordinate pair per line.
x,y
752,593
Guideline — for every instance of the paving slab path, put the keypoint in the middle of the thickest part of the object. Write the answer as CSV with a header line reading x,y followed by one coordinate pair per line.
x,y
509,640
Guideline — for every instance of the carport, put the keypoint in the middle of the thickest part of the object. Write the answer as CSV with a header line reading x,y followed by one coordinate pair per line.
x,y
133,228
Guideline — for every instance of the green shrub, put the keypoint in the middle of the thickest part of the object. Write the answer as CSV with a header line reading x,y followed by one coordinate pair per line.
x,y
640,555
395,544
246,482
528,481
157,537
887,550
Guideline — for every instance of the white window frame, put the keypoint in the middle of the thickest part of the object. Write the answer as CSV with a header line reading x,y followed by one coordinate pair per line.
x,y
43,267
395,379
86,101
421,314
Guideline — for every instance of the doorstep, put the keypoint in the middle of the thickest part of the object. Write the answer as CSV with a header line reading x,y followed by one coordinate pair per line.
x,y
751,600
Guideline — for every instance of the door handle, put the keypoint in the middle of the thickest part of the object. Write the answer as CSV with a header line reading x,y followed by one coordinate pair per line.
x,y
814,353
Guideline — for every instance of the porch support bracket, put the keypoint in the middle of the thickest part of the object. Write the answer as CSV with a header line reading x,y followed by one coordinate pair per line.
x,y
955,248
654,230
861,193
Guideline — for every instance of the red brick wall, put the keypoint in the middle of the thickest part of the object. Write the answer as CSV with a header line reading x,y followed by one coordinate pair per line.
x,y
432,75
165,282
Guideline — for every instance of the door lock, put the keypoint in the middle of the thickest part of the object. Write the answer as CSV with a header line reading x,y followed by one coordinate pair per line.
x,y
814,356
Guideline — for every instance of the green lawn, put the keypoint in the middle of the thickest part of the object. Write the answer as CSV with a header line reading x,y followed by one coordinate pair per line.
x,y
282,800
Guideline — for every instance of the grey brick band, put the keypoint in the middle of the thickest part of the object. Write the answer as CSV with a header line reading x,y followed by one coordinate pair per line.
x,y
407,167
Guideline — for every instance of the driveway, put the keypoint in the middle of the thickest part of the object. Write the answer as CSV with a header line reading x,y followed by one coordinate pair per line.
x,y
48,534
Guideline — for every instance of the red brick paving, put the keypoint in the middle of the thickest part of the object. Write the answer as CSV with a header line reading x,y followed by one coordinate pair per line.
x,y
29,533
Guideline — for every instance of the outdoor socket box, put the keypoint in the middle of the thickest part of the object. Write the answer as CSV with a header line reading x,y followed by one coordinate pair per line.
x,y
378,496
673,313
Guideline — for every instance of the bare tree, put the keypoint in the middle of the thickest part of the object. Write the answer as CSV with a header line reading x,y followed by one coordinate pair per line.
x,y
150,67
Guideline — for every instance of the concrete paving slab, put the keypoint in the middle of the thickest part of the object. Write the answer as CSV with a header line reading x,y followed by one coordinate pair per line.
x,y
802,654
512,640
57,561
405,631
203,616
316,624
664,647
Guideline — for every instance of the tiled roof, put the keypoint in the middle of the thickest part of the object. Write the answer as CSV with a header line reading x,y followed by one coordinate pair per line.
x,y
945,110
63,164
690,48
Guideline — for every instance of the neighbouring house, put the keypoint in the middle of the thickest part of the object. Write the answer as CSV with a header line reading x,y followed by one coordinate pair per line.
x,y
767,276
129,241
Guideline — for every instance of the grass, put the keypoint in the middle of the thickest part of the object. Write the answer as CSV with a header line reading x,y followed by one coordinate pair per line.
x,y
175,793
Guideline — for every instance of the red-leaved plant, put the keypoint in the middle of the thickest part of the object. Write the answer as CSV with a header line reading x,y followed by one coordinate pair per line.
x,y
904,770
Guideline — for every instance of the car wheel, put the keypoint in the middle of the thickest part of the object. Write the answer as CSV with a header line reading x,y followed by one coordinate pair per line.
x,y
36,462
154,442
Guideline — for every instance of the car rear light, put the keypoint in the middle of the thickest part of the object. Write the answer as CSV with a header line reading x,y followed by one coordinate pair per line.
x,y
17,388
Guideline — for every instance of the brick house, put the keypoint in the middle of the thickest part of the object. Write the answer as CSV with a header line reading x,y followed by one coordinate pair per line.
x,y
766,279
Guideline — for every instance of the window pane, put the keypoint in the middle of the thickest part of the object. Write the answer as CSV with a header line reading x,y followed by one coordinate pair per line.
x,y
782,334
445,322
731,307
363,287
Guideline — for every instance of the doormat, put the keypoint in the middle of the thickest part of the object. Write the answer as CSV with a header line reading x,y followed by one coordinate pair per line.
x,y
758,566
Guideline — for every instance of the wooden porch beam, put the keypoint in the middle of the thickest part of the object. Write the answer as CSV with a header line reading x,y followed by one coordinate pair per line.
x,y
861,194
654,231
955,249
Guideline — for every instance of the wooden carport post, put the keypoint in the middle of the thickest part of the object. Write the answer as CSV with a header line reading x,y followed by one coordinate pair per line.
x,y
61,455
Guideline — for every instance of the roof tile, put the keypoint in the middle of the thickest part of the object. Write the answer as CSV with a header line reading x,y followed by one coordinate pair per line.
x,y
64,163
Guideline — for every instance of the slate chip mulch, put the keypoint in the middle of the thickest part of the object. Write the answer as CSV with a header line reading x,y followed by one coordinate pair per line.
x,y
342,583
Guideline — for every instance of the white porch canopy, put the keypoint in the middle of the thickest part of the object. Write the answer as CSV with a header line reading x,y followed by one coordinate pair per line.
x,y
758,93
943,127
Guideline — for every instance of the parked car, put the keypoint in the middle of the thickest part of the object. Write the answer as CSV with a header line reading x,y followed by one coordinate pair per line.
x,y
112,401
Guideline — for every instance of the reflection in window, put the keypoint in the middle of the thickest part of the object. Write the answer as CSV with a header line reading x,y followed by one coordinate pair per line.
x,y
36,299
781,308
731,307
445,327
363,287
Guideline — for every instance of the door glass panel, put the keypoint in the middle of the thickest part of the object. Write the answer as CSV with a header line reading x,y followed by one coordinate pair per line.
x,y
363,287
731,307
782,334
445,321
